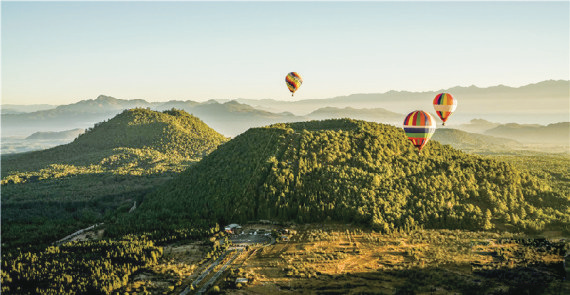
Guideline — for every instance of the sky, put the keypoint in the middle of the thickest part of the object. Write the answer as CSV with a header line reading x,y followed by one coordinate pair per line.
x,y
64,52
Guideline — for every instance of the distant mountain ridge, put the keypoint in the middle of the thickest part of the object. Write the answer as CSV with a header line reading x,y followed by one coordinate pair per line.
x,y
379,115
557,133
19,109
473,142
232,117
477,126
507,103
68,134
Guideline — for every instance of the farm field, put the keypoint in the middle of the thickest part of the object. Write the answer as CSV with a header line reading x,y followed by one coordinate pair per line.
x,y
346,260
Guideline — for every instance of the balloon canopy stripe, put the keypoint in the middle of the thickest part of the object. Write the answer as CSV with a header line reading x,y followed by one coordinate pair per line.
x,y
444,105
419,135
419,126
293,81
444,99
296,75
419,142
418,130
444,108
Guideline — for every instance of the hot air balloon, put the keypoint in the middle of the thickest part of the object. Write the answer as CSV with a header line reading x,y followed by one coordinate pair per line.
x,y
444,105
419,127
293,81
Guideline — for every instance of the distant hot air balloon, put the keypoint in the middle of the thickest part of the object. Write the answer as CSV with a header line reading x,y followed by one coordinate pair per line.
x,y
444,105
293,81
419,127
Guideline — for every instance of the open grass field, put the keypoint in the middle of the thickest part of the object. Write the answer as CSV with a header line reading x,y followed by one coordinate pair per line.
x,y
346,260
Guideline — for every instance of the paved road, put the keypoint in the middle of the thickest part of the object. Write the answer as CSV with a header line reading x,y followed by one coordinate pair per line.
x,y
240,241
218,274
205,273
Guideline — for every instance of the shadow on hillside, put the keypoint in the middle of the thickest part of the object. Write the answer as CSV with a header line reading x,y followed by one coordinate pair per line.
x,y
39,213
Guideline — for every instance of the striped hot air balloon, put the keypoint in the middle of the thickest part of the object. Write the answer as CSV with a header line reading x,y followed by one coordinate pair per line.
x,y
419,127
293,81
444,105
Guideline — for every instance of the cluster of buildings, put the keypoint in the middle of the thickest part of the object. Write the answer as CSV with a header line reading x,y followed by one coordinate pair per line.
x,y
233,229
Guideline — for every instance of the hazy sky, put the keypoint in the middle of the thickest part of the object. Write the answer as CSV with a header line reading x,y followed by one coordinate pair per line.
x,y
63,52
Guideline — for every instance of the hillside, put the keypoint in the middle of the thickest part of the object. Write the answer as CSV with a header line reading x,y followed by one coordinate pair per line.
x,y
49,194
472,142
138,137
557,133
352,171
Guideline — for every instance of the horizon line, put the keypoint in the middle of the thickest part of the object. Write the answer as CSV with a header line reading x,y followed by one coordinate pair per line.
x,y
261,99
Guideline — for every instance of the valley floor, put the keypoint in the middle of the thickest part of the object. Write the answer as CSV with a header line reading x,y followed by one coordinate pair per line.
x,y
342,259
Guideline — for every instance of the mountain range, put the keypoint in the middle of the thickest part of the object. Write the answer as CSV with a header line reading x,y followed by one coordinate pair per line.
x,y
543,102
485,107
230,118
473,142
19,109
557,133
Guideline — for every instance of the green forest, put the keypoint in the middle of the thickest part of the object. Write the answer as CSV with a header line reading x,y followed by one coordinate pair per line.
x,y
186,178
49,194
92,267
354,171
137,141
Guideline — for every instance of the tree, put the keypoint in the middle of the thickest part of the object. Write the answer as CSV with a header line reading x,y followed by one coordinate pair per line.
x,y
487,225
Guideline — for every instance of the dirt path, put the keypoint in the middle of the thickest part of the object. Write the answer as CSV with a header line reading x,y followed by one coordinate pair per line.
x,y
78,235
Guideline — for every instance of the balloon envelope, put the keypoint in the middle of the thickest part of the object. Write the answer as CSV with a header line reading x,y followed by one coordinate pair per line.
x,y
444,105
419,127
293,81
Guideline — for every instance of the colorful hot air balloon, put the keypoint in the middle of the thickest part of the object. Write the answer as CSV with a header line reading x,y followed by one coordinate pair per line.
x,y
293,81
419,127
444,105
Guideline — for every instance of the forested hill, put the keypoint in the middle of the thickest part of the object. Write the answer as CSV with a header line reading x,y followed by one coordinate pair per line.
x,y
135,137
352,171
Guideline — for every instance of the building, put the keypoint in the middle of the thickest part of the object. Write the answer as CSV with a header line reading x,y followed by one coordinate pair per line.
x,y
233,228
